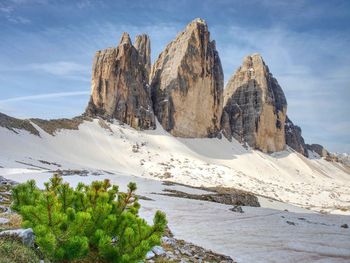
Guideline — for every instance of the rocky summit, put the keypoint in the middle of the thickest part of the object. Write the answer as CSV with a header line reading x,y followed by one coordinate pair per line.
x,y
255,107
120,84
187,84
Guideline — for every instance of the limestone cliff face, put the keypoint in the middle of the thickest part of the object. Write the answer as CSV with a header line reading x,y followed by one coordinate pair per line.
x,y
294,139
143,45
187,84
120,84
255,107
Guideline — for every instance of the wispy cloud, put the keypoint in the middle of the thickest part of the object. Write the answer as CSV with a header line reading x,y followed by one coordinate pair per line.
x,y
9,8
60,68
45,96
65,69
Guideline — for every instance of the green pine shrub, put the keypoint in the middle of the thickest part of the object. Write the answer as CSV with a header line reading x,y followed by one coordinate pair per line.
x,y
75,223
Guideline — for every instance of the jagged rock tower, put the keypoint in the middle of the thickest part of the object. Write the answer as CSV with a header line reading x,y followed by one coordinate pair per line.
x,y
120,83
143,45
187,84
255,107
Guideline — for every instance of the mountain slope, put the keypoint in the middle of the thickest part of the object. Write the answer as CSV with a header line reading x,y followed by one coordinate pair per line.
x,y
275,231
97,145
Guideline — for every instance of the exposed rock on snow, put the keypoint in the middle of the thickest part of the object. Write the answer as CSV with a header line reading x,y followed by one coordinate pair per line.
x,y
120,84
237,209
14,124
55,125
255,107
235,197
319,149
187,84
294,138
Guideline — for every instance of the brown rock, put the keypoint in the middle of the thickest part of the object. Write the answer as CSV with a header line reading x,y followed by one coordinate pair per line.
x,y
143,46
255,107
119,85
187,84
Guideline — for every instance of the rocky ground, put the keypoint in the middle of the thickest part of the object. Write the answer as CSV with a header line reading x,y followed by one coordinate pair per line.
x,y
174,250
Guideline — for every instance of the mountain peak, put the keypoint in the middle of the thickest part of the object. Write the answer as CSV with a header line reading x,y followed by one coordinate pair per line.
x,y
187,84
125,39
255,107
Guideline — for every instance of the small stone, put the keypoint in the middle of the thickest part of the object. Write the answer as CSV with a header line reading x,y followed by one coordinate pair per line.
x,y
290,223
344,226
168,240
237,209
158,250
3,221
150,255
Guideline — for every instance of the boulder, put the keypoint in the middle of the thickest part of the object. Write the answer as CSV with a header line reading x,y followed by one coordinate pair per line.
x,y
187,84
120,84
294,139
255,107
26,235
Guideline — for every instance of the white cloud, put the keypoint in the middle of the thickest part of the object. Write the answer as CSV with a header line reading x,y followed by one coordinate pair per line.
x,y
44,96
65,69
60,68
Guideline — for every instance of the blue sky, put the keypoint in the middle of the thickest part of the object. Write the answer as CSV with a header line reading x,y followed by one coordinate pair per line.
x,y
47,47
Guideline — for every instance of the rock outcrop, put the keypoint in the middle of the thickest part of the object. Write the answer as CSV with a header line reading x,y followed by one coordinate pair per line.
x,y
255,107
14,124
120,84
187,84
143,45
319,149
294,139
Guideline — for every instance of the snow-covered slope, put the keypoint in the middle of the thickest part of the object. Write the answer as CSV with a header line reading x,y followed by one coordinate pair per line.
x,y
267,234
286,176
